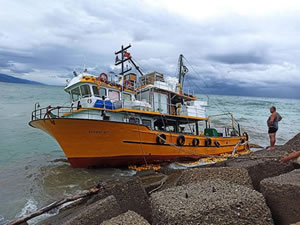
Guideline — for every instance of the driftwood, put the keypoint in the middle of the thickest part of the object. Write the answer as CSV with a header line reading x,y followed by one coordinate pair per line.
x,y
53,205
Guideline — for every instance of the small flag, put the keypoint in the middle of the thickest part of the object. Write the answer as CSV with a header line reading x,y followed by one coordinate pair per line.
x,y
126,54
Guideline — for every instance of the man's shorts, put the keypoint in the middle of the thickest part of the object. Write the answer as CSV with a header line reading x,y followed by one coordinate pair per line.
x,y
272,130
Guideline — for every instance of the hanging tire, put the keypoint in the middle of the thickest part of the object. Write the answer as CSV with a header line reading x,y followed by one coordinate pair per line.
x,y
217,144
180,140
207,142
196,142
245,134
161,139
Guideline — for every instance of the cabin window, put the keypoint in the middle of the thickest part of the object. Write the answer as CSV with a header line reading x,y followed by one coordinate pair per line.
x,y
114,95
85,91
75,93
127,97
160,102
102,92
146,122
96,91
144,96
134,120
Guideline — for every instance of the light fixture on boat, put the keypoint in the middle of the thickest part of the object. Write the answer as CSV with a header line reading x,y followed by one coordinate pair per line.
x,y
75,74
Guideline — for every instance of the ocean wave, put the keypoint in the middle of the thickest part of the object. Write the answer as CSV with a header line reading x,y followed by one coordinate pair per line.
x,y
3,221
31,206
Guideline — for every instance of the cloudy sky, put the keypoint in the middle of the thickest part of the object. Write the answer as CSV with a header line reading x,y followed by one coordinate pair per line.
x,y
232,46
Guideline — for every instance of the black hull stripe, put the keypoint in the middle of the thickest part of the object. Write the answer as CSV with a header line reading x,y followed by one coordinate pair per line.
x,y
150,143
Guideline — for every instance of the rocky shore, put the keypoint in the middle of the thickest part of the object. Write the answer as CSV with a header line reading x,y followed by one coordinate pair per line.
x,y
250,189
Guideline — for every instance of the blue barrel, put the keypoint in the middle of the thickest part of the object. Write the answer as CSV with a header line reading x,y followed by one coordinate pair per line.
x,y
109,105
99,104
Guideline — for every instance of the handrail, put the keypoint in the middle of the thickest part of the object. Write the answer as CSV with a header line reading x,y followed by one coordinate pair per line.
x,y
233,121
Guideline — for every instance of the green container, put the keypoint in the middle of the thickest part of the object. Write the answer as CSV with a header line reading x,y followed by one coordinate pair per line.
x,y
211,132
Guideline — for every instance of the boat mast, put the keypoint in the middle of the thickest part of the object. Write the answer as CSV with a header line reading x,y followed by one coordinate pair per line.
x,y
182,70
125,58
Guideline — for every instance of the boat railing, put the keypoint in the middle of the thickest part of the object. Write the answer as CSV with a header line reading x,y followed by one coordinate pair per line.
x,y
88,113
233,130
51,112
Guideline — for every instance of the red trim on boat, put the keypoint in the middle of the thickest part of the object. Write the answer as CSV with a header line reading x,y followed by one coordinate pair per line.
x,y
125,161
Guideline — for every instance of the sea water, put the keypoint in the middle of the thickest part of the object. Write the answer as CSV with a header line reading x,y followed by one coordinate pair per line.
x,y
33,168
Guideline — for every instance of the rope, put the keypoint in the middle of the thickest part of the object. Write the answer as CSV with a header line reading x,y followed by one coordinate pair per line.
x,y
238,144
160,186
226,111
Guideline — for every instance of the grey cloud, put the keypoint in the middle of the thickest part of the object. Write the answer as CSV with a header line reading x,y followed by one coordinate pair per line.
x,y
239,58
231,52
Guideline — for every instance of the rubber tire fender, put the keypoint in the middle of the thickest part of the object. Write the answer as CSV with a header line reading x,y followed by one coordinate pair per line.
x,y
161,139
207,142
217,144
245,134
196,142
180,140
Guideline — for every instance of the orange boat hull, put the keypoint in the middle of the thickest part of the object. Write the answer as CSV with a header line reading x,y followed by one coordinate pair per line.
x,y
94,143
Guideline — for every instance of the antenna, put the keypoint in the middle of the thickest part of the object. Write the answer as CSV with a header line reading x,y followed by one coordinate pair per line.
x,y
84,64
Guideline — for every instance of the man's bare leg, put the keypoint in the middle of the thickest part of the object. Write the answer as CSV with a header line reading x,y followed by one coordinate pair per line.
x,y
272,141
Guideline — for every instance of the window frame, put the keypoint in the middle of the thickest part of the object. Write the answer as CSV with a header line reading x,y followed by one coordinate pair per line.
x,y
127,94
136,120
79,95
95,88
100,89
88,88
109,91
148,120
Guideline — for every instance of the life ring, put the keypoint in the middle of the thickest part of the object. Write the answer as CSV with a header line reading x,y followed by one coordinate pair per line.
x,y
245,134
103,77
196,142
217,144
161,139
180,140
207,142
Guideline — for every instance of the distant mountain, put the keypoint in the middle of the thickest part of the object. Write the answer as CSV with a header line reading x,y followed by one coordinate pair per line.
x,y
11,79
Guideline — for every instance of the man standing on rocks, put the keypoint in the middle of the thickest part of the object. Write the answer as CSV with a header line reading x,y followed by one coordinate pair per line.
x,y
273,126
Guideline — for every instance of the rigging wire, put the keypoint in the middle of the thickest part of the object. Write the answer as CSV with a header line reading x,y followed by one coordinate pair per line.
x,y
141,68
224,111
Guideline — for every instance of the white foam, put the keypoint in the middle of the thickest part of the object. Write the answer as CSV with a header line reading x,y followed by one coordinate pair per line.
x,y
3,221
31,206
178,166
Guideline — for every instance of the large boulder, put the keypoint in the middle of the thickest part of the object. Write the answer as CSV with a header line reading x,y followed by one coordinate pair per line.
x,y
128,218
294,142
234,175
210,202
95,213
261,165
130,195
83,213
282,194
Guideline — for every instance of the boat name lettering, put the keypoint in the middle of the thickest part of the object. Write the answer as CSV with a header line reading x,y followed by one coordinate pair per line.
x,y
98,132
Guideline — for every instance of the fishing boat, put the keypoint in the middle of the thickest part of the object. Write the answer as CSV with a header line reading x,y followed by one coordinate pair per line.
x,y
127,118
